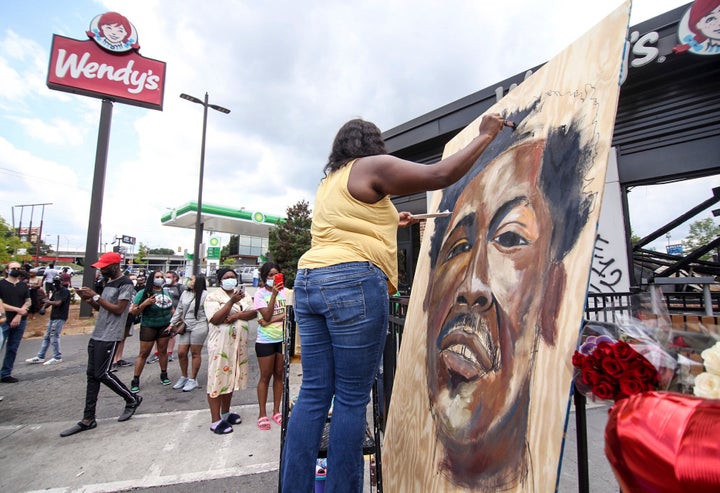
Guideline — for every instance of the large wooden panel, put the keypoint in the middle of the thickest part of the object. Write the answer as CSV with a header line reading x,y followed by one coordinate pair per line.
x,y
481,390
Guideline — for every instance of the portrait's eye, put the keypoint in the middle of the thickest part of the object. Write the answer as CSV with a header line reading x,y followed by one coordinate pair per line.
x,y
457,248
510,239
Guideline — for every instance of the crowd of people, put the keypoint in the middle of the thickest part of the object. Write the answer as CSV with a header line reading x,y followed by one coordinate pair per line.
x,y
161,311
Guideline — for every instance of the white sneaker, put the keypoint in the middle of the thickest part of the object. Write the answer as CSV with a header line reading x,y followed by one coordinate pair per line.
x,y
190,385
34,360
52,361
180,383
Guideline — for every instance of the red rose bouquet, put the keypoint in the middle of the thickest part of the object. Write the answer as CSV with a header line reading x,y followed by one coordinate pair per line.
x,y
613,370
616,361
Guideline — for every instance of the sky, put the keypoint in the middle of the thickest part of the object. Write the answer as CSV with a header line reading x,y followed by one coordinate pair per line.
x,y
290,72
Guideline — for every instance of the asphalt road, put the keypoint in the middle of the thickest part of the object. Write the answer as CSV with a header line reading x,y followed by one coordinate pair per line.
x,y
166,447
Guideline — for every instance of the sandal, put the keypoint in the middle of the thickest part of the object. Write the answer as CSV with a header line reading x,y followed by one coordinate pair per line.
x,y
222,428
277,417
234,419
263,423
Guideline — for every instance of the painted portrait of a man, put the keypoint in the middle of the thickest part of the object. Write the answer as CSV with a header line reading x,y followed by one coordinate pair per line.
x,y
496,279
481,393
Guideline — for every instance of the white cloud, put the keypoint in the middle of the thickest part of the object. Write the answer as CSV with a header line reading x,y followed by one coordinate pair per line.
x,y
290,72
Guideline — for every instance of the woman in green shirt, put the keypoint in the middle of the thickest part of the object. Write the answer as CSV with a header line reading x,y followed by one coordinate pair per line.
x,y
153,305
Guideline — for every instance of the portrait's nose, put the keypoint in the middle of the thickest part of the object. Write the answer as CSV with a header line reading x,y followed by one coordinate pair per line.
x,y
474,292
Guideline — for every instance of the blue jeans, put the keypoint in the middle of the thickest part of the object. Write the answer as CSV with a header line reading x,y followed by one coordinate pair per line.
x,y
342,315
13,337
52,336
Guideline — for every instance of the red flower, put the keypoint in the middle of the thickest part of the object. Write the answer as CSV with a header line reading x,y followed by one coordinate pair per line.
x,y
612,367
614,371
604,389
632,386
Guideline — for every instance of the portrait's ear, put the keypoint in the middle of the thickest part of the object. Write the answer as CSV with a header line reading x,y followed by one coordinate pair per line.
x,y
554,290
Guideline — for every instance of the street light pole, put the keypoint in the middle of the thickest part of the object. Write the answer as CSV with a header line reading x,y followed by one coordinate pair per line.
x,y
198,217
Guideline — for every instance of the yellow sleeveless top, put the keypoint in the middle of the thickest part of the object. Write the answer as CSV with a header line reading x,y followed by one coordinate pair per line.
x,y
345,229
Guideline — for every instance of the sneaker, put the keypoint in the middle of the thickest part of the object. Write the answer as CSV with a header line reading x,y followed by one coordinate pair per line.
x,y
191,384
164,378
9,379
52,361
122,362
170,357
152,359
135,385
34,360
180,383
114,367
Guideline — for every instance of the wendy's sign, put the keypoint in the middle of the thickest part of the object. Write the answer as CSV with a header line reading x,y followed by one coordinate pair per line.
x,y
108,65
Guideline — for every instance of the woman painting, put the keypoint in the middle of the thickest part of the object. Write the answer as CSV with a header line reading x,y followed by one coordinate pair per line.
x,y
191,311
228,310
154,308
342,292
270,303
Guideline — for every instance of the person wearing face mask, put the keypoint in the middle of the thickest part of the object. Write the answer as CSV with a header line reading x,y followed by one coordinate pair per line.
x,y
270,303
228,310
15,296
174,289
156,307
59,300
112,308
191,311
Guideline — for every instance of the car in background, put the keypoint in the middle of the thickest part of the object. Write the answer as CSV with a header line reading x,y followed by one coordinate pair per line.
x,y
245,274
71,271
40,271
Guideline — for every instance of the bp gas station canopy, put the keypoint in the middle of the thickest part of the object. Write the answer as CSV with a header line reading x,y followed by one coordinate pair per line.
x,y
222,219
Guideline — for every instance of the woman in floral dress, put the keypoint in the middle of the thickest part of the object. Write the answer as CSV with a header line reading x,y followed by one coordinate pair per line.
x,y
228,310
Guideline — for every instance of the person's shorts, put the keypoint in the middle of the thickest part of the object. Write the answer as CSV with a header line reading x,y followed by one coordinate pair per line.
x,y
267,348
148,334
194,337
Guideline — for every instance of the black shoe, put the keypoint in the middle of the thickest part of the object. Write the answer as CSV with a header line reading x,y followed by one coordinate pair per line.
x,y
80,426
122,362
9,379
135,385
114,367
130,409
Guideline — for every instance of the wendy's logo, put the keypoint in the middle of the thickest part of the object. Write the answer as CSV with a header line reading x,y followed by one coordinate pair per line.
x,y
113,32
699,29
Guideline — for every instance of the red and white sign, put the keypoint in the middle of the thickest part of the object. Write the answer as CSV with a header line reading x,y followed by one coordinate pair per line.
x,y
101,69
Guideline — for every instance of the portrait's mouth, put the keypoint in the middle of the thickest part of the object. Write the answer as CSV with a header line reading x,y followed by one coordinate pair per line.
x,y
467,350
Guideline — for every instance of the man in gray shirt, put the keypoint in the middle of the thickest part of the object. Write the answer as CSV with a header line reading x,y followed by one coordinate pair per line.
x,y
113,307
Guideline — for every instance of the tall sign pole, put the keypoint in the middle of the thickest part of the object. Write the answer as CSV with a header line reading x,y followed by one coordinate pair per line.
x,y
106,66
96,201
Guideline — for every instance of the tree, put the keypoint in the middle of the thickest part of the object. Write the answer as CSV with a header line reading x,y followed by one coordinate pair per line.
x,y
290,239
702,232
10,245
142,253
161,251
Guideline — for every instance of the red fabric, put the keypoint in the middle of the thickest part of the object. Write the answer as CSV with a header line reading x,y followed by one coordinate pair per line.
x,y
665,442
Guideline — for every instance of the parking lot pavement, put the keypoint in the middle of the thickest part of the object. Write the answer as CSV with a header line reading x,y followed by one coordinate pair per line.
x,y
167,445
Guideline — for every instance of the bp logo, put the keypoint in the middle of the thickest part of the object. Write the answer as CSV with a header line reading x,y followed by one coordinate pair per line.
x,y
258,217
214,242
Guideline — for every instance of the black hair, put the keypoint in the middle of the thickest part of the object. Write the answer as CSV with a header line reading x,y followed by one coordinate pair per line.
x,y
266,268
357,138
149,283
565,163
199,286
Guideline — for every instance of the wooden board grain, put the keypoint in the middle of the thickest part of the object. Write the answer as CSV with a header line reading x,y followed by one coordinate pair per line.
x,y
481,391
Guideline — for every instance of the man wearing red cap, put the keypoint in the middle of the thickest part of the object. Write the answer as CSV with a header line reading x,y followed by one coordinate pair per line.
x,y
109,329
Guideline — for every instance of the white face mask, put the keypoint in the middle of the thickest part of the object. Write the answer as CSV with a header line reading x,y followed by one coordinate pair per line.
x,y
229,283
269,283
168,280
158,282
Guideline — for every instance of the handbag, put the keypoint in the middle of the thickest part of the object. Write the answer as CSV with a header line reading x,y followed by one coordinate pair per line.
x,y
179,328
